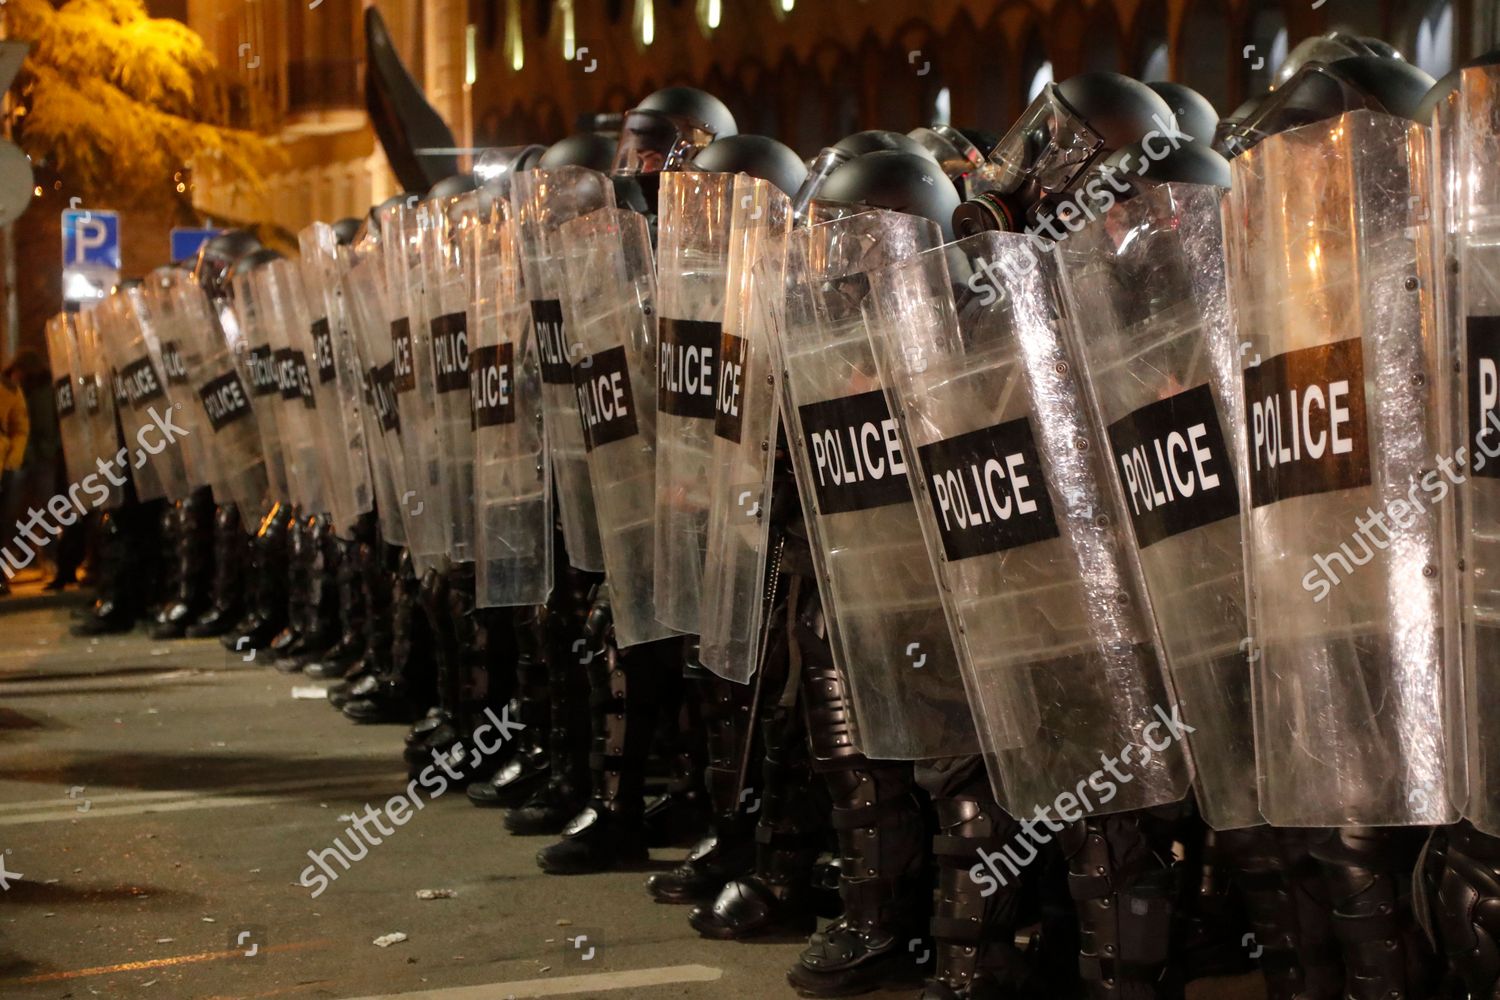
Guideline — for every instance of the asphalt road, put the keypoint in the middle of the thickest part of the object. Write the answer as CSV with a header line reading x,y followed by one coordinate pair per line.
x,y
158,802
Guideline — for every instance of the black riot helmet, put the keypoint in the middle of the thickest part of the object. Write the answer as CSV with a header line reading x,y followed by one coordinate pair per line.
x,y
451,187
1449,84
1319,92
1069,127
593,150
346,229
217,257
1328,48
873,140
898,182
668,127
372,222
495,167
960,152
1195,114
1397,85
253,260
756,155
1135,169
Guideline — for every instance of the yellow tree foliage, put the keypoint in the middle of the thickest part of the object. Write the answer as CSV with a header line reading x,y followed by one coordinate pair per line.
x,y
115,102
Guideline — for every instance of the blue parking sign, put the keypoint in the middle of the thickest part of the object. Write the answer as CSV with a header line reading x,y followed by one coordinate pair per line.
x,y
91,238
186,242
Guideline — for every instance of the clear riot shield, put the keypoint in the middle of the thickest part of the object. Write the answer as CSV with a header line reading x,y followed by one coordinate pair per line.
x,y
443,224
219,397
279,284
513,489
177,316
889,636
1151,326
338,383
542,201
256,358
67,389
611,323
745,422
146,421
369,321
428,531
1466,144
98,397
1330,278
693,244
1062,664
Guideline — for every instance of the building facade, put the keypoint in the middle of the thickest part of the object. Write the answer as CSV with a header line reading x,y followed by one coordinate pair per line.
x,y
505,72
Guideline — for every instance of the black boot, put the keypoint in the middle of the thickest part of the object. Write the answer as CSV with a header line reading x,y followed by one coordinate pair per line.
x,y
401,688
301,555
268,613
1367,875
527,766
791,812
679,816
1288,910
115,603
339,659
728,720
377,564
231,571
193,568
554,653
1121,881
565,790
441,732
318,622
608,834
878,820
973,927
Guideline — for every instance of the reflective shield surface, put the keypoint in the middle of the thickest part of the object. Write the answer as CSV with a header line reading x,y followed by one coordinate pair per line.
x,y
1329,264
513,487
1062,663
611,321
337,381
694,239
745,426
542,200
1151,325
886,621
1466,143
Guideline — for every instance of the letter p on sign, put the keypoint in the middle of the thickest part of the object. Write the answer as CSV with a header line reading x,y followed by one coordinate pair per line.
x,y
91,239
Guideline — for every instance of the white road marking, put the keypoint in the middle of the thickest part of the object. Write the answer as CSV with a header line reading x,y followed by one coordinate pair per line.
x,y
136,803
561,986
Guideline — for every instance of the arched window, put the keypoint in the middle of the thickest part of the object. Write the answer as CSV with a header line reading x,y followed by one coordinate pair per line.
x,y
993,97
1036,68
1268,36
1101,47
942,107
645,22
710,16
1203,56
1153,60
1426,37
